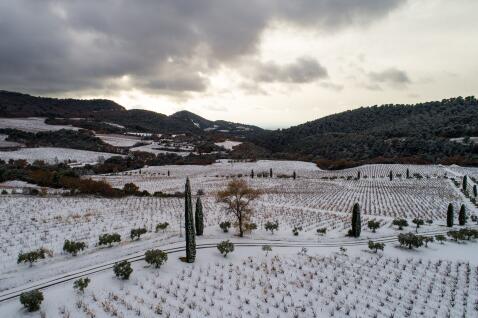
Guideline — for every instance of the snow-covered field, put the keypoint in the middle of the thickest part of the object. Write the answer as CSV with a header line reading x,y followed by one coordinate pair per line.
x,y
119,140
31,124
228,144
8,144
52,155
438,281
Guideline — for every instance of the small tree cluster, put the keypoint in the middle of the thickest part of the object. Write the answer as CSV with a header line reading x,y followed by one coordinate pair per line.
x,y
401,223
109,239
31,300
375,246
225,247
123,269
463,234
81,284
73,247
161,226
271,226
135,234
155,257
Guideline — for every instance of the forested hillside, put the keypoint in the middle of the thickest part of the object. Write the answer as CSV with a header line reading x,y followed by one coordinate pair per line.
x,y
388,133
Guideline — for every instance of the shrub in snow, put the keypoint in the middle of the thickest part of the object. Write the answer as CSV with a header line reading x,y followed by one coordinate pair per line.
x,y
73,247
428,239
440,238
410,240
373,225
225,247
135,234
109,239
31,300
130,189
123,269
267,249
225,226
161,226
296,230
418,222
249,227
81,284
375,246
31,257
155,257
401,223
322,230
271,226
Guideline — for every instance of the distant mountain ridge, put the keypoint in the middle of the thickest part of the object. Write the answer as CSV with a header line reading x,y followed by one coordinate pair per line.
x,y
14,104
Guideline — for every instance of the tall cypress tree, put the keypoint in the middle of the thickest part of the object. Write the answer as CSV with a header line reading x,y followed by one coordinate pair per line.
x,y
462,215
294,175
356,222
358,174
270,173
449,216
465,183
475,191
408,173
390,175
189,225
199,217
252,174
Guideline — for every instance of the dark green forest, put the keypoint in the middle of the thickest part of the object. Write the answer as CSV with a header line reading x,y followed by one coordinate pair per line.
x,y
390,133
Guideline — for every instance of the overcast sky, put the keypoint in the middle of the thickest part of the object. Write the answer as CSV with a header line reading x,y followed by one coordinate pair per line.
x,y
273,63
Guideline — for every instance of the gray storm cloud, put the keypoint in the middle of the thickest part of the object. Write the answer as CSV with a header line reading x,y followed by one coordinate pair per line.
x,y
304,70
55,46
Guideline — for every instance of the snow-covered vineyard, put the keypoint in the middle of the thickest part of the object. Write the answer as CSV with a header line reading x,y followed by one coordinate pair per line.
x,y
312,207
296,286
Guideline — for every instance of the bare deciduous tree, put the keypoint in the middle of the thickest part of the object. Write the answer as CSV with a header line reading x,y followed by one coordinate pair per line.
x,y
238,196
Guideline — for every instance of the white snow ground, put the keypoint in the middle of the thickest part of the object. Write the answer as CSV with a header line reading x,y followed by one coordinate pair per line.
x,y
52,155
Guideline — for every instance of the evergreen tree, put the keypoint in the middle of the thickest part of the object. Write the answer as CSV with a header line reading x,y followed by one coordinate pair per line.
x,y
189,225
294,175
465,182
252,174
462,215
408,173
356,222
199,218
449,216
270,172
358,174
475,191
390,175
